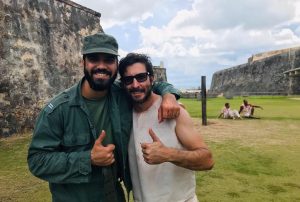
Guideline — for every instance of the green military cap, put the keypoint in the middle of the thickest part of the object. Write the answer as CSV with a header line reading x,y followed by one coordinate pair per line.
x,y
100,43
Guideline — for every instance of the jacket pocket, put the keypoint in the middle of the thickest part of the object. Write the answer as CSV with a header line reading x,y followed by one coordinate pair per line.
x,y
76,139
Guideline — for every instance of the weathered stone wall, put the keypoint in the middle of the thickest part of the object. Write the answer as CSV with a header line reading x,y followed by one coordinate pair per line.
x,y
257,77
40,44
294,85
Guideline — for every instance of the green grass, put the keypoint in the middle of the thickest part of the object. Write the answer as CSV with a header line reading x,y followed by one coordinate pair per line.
x,y
16,182
255,160
246,173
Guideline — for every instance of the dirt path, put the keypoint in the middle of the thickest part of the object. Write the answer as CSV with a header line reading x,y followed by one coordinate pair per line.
x,y
250,132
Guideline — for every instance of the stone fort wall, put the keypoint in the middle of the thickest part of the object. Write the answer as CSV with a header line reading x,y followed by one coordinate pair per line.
x,y
263,74
40,44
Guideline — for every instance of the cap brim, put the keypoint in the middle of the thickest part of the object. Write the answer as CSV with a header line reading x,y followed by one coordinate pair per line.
x,y
100,50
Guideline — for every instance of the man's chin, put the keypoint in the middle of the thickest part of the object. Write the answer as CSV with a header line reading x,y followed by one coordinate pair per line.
x,y
101,81
138,100
100,85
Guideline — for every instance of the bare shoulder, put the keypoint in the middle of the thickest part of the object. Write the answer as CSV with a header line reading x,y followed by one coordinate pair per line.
x,y
186,133
183,117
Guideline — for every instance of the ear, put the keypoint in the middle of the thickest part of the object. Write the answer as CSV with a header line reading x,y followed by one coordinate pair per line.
x,y
82,62
151,79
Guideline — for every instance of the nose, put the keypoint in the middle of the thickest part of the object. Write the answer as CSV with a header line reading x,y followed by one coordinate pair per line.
x,y
100,63
135,83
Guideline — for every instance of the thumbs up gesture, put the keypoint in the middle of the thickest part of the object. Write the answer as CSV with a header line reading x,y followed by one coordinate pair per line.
x,y
155,152
102,155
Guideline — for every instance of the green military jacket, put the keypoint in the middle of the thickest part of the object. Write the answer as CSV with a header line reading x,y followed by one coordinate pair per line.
x,y
64,136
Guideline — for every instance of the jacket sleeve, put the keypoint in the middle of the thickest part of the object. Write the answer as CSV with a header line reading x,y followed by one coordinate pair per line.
x,y
47,161
162,88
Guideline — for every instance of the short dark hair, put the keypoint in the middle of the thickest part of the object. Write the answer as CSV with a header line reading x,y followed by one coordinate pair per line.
x,y
92,54
132,58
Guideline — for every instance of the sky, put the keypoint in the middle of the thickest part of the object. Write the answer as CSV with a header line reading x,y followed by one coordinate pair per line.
x,y
195,38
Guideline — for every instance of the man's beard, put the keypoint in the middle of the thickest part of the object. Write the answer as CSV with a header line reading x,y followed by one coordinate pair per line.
x,y
147,92
99,84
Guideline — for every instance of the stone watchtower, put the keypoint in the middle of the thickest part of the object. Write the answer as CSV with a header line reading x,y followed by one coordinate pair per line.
x,y
160,72
294,81
40,53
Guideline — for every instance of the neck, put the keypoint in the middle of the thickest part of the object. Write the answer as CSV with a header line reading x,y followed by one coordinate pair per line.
x,y
146,105
91,94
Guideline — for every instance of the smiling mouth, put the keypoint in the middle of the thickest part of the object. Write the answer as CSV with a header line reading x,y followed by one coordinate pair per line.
x,y
137,93
99,75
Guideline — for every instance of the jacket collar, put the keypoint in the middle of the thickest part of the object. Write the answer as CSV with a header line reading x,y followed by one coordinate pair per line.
x,y
75,94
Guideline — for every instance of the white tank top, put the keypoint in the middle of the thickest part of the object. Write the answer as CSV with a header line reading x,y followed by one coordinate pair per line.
x,y
164,182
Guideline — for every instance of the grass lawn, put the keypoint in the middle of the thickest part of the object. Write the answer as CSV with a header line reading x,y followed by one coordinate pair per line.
x,y
256,159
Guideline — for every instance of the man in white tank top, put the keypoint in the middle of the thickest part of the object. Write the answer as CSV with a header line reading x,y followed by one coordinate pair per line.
x,y
247,109
162,156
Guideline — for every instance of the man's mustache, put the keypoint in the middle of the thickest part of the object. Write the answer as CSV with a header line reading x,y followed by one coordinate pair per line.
x,y
100,71
136,90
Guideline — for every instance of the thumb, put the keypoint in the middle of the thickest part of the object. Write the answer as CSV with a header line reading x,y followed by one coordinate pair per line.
x,y
153,136
110,147
160,115
100,138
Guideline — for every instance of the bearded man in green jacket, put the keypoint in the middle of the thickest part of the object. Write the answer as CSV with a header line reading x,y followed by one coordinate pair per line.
x,y
80,140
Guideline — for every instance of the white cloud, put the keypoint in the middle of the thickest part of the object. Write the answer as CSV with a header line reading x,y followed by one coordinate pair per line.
x,y
118,12
185,33
252,14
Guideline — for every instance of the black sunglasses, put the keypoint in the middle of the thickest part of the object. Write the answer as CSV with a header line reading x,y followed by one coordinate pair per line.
x,y
141,77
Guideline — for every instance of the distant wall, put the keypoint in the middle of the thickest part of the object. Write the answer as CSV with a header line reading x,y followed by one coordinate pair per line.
x,y
260,56
40,44
264,76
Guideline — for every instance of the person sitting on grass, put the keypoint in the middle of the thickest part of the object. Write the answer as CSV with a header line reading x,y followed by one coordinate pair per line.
x,y
228,113
247,109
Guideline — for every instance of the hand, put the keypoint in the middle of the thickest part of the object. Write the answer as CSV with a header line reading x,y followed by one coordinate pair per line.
x,y
102,155
169,108
155,152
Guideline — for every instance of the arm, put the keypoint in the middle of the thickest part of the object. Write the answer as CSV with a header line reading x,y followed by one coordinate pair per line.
x,y
169,107
241,109
195,157
48,162
256,106
221,114
162,88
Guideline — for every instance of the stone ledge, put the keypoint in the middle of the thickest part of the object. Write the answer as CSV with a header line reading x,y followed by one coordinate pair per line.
x,y
293,72
73,4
